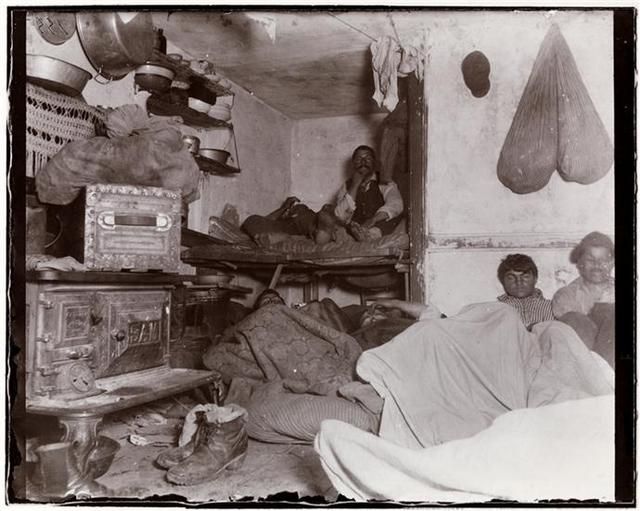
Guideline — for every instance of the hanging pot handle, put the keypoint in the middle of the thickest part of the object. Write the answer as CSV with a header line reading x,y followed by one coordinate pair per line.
x,y
109,80
235,146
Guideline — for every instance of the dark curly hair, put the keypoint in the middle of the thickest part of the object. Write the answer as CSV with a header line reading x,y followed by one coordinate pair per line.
x,y
268,294
517,262
593,239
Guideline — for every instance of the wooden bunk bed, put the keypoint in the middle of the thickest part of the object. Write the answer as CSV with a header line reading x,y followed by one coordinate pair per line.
x,y
386,261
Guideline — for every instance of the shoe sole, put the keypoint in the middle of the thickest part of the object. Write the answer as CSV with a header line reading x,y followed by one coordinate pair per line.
x,y
170,463
233,464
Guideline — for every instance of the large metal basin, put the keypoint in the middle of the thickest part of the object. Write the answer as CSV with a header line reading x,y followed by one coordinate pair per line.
x,y
115,43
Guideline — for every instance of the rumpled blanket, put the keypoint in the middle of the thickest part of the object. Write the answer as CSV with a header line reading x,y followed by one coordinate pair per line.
x,y
448,379
279,343
287,368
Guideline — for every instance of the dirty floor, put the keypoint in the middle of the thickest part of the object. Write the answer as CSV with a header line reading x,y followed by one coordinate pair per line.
x,y
277,473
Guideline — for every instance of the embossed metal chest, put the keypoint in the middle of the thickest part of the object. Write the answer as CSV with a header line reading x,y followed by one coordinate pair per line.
x,y
123,227
80,332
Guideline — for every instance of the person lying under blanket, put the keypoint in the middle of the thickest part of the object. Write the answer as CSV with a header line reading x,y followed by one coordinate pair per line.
x,y
445,385
292,371
291,368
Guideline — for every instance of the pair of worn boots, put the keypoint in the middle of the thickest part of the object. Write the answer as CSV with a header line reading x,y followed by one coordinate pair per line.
x,y
219,442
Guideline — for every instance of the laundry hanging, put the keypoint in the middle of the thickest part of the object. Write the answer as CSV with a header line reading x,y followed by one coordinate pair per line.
x,y
555,127
385,59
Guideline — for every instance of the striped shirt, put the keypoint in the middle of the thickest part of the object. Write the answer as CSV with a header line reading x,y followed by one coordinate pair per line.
x,y
532,309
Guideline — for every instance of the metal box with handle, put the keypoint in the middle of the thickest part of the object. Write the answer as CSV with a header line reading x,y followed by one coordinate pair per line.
x,y
124,227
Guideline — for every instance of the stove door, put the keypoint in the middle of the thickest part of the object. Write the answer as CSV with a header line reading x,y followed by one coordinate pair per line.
x,y
136,330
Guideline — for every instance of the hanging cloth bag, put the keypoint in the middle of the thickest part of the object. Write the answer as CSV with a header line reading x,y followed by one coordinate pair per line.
x,y
556,126
529,154
585,151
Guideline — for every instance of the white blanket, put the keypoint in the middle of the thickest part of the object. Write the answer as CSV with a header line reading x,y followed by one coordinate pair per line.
x,y
559,451
477,407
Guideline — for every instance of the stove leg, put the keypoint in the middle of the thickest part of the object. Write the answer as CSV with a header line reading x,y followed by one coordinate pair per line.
x,y
82,432
63,465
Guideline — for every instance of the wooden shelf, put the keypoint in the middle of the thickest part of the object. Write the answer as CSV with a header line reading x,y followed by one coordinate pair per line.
x,y
191,238
209,166
160,104
185,73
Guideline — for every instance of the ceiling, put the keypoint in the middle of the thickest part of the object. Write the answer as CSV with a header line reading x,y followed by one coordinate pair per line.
x,y
304,63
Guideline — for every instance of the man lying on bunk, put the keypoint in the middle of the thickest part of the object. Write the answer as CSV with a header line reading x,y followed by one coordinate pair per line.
x,y
367,207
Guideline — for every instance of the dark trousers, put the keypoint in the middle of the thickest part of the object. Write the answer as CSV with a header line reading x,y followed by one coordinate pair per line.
x,y
301,220
596,329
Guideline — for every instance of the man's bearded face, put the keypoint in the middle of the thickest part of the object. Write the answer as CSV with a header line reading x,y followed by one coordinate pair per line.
x,y
363,161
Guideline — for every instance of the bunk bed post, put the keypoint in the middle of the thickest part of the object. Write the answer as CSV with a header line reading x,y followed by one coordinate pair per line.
x,y
417,142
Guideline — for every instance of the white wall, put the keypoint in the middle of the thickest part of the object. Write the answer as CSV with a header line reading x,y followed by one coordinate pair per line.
x,y
467,207
263,138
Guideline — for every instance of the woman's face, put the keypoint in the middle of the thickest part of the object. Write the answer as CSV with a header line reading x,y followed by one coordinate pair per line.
x,y
595,264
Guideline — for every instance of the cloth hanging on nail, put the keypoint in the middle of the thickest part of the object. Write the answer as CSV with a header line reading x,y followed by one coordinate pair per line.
x,y
385,58
411,61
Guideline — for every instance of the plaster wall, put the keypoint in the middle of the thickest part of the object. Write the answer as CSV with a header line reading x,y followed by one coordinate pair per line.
x,y
262,150
473,220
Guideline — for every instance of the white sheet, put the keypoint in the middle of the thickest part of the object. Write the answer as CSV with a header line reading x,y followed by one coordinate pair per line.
x,y
477,405
559,451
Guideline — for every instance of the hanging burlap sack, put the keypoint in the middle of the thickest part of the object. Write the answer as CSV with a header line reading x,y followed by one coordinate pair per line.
x,y
529,154
155,158
585,152
556,126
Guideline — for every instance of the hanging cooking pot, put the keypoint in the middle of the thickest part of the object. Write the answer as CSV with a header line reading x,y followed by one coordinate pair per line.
x,y
115,42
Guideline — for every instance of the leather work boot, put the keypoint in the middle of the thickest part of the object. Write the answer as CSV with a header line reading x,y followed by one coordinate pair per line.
x,y
223,445
171,457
